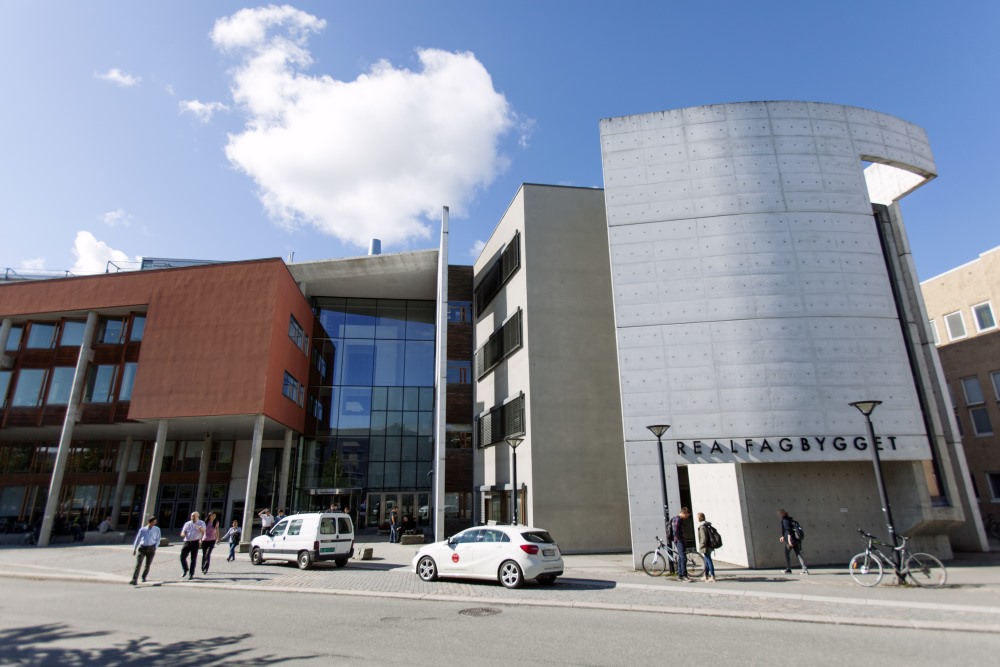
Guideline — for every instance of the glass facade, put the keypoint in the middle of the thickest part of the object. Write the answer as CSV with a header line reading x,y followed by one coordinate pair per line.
x,y
377,398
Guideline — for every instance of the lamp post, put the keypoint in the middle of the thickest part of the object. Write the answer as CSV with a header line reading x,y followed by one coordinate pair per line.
x,y
658,430
514,441
866,408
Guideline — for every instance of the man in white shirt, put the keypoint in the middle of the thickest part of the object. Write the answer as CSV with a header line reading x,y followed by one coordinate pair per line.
x,y
146,541
266,521
192,533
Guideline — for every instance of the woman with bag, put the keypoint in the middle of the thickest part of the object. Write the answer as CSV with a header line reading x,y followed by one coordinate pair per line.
x,y
234,539
705,542
208,542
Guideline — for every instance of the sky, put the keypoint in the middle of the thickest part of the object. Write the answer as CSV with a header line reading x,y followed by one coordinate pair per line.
x,y
229,131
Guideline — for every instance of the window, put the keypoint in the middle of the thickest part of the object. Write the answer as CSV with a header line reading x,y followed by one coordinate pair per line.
x,y
983,315
5,377
111,330
62,383
497,275
100,384
128,380
14,339
502,343
459,436
956,325
279,530
72,333
28,392
994,480
138,328
973,392
459,372
293,390
980,421
501,421
994,376
459,311
934,332
298,335
295,527
41,336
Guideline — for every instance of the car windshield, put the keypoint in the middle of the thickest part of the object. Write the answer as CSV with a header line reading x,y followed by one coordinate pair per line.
x,y
538,537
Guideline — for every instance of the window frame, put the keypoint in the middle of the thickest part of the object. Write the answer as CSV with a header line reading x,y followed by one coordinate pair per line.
x,y
935,338
994,486
965,390
947,325
980,409
975,316
995,379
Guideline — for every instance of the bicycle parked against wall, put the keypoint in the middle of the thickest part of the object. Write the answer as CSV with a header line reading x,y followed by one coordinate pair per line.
x,y
922,569
654,563
992,526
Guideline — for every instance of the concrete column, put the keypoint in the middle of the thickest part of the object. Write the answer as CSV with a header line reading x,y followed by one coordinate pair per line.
x,y
203,465
153,487
251,497
123,459
441,381
66,438
286,462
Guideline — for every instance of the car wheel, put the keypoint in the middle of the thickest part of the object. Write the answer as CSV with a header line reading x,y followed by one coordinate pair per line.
x,y
427,569
304,560
340,562
547,579
256,557
510,574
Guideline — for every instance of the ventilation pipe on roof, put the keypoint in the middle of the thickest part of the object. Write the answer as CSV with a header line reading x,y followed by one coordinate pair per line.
x,y
375,247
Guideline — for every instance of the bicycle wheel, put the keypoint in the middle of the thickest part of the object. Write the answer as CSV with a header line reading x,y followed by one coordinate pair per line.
x,y
925,571
865,569
653,563
695,563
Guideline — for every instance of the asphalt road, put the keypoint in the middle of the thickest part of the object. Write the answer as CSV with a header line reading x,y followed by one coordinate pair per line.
x,y
76,623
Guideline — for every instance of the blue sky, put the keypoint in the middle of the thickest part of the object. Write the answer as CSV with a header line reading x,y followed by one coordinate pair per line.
x,y
197,130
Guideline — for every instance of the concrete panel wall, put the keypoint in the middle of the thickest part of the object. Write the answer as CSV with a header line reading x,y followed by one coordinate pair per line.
x,y
752,299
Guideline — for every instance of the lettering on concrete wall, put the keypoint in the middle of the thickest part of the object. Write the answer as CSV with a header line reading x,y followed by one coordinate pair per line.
x,y
777,446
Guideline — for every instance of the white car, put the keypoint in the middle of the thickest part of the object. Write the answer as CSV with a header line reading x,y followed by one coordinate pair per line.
x,y
509,554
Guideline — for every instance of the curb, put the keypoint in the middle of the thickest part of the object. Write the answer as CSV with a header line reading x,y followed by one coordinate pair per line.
x,y
903,624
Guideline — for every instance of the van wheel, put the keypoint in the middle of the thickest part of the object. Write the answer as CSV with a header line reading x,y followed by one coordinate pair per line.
x,y
340,562
427,569
304,560
510,574
256,557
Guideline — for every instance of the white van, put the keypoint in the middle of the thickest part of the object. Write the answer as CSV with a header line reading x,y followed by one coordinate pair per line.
x,y
306,538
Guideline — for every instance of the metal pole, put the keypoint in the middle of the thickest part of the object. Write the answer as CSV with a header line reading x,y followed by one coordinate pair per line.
x,y
514,449
883,496
663,488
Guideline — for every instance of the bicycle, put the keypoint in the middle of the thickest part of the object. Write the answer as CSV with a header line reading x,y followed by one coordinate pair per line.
x,y
922,569
992,526
654,563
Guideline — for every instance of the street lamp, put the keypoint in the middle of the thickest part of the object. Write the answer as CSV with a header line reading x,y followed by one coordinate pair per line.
x,y
514,441
866,408
658,430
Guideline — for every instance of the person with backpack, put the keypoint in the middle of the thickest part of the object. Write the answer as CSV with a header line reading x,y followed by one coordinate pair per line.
x,y
709,540
791,536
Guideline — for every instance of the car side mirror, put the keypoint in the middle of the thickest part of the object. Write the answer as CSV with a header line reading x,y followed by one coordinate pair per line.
x,y
451,540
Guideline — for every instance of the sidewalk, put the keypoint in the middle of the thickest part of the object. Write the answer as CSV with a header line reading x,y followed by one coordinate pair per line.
x,y
970,602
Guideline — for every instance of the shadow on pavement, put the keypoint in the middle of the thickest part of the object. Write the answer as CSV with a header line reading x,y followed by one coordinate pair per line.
x,y
31,645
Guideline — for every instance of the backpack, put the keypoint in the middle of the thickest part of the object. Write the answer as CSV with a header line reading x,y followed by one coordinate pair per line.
x,y
712,537
797,531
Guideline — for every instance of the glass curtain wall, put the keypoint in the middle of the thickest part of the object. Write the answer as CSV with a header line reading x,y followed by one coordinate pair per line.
x,y
375,441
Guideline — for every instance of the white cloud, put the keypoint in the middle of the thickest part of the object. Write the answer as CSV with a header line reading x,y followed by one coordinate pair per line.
x,y
34,264
118,77
92,256
376,157
477,248
116,217
203,111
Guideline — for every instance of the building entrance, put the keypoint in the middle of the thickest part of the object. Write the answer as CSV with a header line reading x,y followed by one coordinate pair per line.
x,y
412,505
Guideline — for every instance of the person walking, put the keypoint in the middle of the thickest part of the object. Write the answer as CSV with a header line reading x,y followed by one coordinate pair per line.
x,y
192,533
266,521
146,541
791,542
233,536
706,546
393,526
208,542
677,536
